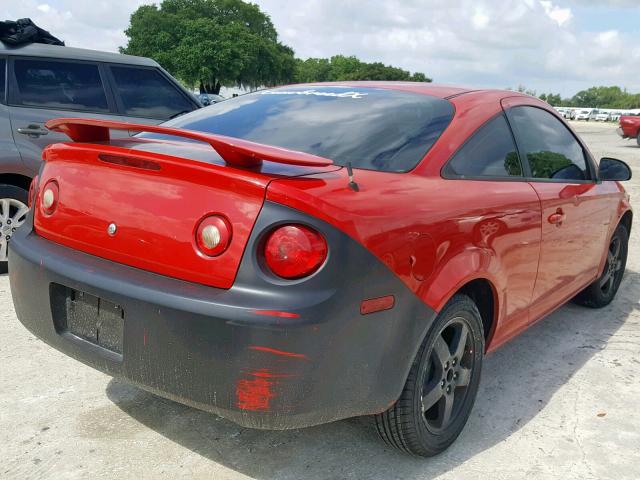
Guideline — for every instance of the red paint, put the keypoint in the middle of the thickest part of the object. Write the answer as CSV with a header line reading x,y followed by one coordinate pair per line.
x,y
254,394
277,352
377,304
235,151
145,336
276,313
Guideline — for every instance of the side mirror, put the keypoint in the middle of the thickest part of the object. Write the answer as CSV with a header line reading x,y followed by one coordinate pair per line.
x,y
614,170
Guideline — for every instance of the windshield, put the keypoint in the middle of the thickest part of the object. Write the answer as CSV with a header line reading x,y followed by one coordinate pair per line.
x,y
371,128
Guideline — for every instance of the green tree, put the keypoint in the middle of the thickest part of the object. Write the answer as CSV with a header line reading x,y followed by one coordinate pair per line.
x,y
211,43
340,67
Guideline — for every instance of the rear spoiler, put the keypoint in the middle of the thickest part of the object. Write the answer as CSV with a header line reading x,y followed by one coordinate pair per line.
x,y
234,151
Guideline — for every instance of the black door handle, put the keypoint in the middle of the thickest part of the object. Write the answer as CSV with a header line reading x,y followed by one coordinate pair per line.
x,y
33,130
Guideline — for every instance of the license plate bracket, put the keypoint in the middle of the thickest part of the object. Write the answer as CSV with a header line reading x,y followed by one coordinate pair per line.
x,y
88,317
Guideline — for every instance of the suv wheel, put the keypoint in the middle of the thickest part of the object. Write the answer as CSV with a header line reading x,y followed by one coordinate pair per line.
x,y
442,384
13,213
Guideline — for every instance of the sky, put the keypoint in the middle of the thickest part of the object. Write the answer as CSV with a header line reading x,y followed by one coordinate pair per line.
x,y
559,46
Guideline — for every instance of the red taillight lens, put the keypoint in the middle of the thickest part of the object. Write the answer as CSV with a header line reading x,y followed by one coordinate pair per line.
x,y
213,235
295,251
33,191
49,197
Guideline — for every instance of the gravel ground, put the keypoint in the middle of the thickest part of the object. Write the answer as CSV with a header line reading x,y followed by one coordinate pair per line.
x,y
560,401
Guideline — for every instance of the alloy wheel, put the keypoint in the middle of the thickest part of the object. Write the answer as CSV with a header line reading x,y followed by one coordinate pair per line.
x,y
13,213
613,268
447,377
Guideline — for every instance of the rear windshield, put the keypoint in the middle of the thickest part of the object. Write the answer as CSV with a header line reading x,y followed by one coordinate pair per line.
x,y
370,128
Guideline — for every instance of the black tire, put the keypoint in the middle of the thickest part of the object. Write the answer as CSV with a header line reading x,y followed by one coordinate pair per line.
x,y
14,193
439,382
601,292
638,139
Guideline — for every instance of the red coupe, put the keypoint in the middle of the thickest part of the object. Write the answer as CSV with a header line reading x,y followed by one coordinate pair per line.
x,y
310,253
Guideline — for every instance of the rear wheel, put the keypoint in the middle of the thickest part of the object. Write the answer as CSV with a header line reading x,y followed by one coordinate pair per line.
x,y
601,292
13,213
638,138
442,384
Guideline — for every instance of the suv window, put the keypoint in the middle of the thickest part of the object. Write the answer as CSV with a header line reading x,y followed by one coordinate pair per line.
x,y
61,85
145,92
3,64
551,150
490,152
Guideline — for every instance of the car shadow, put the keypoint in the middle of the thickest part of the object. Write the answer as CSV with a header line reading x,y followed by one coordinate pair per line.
x,y
518,381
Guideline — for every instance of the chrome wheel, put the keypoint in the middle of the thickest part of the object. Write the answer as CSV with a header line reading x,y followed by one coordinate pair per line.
x,y
448,374
13,213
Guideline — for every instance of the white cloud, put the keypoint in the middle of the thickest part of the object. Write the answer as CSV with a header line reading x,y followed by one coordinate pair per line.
x,y
555,13
536,43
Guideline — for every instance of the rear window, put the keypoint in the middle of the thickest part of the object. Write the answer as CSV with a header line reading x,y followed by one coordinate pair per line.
x,y
376,129
146,93
60,85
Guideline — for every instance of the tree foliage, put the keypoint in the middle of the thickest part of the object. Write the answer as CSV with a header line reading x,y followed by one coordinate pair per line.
x,y
596,97
340,67
211,43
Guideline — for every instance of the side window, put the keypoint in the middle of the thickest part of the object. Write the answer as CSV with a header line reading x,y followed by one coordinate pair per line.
x,y
3,69
551,150
490,152
145,92
60,85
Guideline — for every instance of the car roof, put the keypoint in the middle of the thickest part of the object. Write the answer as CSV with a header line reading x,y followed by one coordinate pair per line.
x,y
425,88
71,53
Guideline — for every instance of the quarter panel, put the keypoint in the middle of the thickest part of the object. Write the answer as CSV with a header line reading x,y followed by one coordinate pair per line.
x,y
434,234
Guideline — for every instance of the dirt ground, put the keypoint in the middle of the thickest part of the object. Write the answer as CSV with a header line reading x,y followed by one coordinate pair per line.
x,y
560,401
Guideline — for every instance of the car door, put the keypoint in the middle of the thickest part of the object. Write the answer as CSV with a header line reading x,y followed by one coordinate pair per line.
x,y
576,209
146,95
41,89
507,220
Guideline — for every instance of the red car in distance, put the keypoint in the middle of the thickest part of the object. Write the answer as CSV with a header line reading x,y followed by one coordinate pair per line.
x,y
315,252
630,127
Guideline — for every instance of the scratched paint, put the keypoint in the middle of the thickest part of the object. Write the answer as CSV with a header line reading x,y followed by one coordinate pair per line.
x,y
277,352
255,393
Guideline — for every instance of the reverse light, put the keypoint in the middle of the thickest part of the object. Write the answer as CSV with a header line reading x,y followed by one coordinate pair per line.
x,y
33,191
295,251
49,199
213,235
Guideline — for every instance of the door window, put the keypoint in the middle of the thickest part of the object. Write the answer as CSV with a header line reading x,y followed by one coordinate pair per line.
x,y
552,151
145,92
490,152
60,85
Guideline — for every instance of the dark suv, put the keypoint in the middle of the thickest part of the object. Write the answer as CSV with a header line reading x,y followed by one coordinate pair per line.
x,y
40,82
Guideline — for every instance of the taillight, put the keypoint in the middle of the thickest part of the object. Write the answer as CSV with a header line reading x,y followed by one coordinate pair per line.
x,y
213,235
33,191
49,197
295,251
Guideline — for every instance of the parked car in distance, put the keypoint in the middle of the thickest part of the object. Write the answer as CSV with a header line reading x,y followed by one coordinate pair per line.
x,y
583,114
309,253
602,117
39,82
629,127
209,98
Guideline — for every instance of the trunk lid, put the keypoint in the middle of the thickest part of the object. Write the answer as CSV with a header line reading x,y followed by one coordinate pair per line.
x,y
156,201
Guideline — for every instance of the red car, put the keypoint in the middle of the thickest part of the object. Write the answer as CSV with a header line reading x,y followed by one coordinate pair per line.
x,y
310,253
630,127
